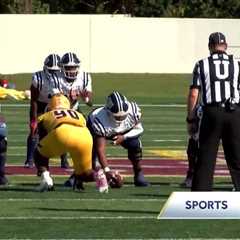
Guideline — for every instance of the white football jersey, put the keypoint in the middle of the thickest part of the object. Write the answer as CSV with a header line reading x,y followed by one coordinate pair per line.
x,y
82,83
103,124
47,85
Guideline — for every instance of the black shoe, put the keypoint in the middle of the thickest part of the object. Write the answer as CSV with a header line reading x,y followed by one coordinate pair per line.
x,y
140,181
70,182
187,183
78,185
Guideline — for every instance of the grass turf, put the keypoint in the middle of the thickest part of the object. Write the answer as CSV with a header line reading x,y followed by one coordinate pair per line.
x,y
127,213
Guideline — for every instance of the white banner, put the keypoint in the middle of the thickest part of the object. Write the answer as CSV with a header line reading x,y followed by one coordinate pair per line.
x,y
202,205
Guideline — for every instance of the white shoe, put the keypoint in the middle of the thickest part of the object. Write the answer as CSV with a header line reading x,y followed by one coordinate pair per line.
x,y
46,183
101,181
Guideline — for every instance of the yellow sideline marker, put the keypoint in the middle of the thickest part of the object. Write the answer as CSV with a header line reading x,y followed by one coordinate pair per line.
x,y
176,154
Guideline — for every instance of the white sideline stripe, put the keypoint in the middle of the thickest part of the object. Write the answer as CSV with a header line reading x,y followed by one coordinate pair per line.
x,y
99,105
81,200
76,218
170,166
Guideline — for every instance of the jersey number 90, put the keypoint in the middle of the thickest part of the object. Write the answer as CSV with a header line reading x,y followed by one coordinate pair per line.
x,y
64,113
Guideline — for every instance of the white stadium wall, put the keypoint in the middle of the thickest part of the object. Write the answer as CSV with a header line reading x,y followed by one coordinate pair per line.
x,y
110,43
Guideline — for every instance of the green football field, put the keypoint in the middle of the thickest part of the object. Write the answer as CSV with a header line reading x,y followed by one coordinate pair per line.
x,y
126,213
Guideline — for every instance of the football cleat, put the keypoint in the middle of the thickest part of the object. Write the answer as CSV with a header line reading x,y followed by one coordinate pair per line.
x,y
101,181
139,180
28,164
46,183
187,183
78,184
70,181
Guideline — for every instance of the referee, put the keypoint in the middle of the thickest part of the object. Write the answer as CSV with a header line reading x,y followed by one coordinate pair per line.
x,y
215,85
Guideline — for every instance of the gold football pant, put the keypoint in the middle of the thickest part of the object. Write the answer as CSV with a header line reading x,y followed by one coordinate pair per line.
x,y
69,138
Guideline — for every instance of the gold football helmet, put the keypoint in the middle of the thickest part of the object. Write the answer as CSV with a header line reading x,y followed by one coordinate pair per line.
x,y
58,101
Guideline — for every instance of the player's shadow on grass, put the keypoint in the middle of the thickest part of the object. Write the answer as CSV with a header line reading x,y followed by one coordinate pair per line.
x,y
154,183
29,187
97,210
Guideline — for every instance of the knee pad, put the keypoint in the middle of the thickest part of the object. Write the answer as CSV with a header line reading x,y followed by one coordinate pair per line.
x,y
135,154
3,144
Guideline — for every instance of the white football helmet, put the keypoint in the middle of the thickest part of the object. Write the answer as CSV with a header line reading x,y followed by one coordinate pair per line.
x,y
117,105
70,65
52,64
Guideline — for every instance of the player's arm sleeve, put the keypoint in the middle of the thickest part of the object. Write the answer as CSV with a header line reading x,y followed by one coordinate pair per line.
x,y
96,127
134,132
33,103
87,89
87,79
135,112
35,80
195,83
136,115
100,148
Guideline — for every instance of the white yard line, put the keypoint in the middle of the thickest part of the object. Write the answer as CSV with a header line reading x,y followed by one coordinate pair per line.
x,y
76,218
81,200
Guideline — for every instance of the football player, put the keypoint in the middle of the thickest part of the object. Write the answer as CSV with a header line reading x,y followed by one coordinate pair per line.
x,y
192,148
61,130
77,86
119,121
78,83
44,84
3,150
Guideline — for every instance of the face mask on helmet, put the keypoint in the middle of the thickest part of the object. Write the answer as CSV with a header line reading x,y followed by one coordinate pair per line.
x,y
52,64
117,105
58,101
70,66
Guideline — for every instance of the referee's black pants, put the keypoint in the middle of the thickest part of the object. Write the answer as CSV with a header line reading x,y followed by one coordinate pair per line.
x,y
217,123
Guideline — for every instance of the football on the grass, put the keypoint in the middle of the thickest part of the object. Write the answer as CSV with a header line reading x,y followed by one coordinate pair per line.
x,y
116,181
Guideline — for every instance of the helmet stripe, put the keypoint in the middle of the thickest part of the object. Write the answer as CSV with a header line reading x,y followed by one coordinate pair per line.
x,y
119,102
54,60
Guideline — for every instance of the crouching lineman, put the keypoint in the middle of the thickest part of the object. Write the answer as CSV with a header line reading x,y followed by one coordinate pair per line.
x,y
119,122
61,130
192,148
3,150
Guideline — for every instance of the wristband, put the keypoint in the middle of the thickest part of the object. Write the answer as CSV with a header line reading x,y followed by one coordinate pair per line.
x,y
106,169
33,122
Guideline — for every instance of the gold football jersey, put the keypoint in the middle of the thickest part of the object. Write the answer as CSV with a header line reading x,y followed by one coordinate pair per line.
x,y
53,119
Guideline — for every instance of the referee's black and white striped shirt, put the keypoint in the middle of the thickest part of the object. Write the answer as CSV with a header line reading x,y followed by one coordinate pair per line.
x,y
217,77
